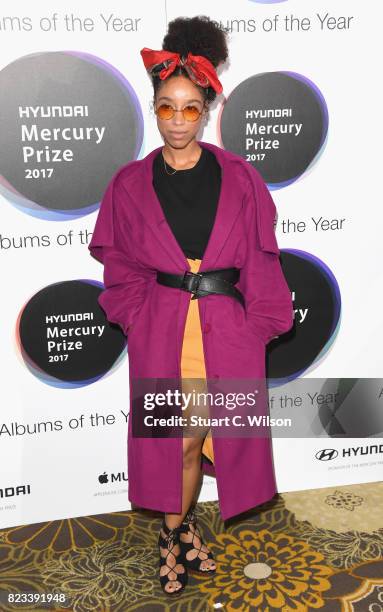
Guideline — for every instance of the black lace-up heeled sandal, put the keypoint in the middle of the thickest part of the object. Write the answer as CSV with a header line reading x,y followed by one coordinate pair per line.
x,y
172,565
195,550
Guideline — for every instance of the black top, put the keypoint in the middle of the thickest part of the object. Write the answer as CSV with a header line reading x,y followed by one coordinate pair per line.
x,y
189,200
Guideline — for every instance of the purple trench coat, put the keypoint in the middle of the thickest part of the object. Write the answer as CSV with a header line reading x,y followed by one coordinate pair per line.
x,y
133,239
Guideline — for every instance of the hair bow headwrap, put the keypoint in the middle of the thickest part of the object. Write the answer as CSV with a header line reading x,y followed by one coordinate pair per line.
x,y
199,68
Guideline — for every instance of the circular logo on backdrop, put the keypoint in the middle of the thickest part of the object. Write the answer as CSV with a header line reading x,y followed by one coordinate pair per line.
x,y
65,338
68,121
317,305
278,122
341,414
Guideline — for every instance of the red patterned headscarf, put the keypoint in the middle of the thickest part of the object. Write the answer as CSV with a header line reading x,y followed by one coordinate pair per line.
x,y
200,70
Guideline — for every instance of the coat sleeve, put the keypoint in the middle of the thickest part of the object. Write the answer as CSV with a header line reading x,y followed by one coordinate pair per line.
x,y
125,279
269,306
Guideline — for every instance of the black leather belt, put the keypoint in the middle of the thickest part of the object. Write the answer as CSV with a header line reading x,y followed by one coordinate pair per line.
x,y
204,283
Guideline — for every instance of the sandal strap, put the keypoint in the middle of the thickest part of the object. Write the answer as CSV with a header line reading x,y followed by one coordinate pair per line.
x,y
190,516
172,535
196,535
168,542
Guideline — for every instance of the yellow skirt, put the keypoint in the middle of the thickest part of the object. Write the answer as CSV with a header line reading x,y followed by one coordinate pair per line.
x,y
192,356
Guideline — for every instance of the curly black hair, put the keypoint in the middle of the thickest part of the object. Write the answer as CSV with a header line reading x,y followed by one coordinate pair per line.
x,y
200,36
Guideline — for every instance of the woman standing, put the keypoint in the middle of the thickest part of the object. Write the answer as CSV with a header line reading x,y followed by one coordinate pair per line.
x,y
191,221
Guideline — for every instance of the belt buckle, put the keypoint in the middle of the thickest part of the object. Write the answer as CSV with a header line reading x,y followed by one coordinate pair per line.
x,y
195,284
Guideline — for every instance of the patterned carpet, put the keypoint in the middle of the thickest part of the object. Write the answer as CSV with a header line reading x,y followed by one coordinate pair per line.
x,y
309,550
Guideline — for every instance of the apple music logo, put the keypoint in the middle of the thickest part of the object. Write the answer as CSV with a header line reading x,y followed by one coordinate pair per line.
x,y
106,478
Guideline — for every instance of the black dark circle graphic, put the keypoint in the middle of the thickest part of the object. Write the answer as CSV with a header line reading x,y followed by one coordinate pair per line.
x,y
64,332
317,306
67,123
355,411
277,122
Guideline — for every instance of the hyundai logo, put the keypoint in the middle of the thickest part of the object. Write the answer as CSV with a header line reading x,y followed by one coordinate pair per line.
x,y
326,454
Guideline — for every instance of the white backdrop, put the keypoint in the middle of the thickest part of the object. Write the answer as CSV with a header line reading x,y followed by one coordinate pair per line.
x,y
55,474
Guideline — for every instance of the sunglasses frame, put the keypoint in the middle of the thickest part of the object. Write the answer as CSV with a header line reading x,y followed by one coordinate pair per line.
x,y
176,110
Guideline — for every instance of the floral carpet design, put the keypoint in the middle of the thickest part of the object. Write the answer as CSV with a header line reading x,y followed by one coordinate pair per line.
x,y
320,549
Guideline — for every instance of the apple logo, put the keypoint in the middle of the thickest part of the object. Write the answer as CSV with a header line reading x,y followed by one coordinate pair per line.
x,y
103,478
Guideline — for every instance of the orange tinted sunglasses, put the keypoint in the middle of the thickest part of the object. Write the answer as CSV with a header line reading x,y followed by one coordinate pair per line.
x,y
190,113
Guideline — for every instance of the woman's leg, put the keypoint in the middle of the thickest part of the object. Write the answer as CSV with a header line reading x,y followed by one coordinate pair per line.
x,y
190,487
191,484
191,478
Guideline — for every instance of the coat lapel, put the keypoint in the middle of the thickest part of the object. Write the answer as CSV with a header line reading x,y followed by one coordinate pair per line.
x,y
229,205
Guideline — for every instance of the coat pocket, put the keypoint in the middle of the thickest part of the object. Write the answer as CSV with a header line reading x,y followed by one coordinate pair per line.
x,y
243,324
252,331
